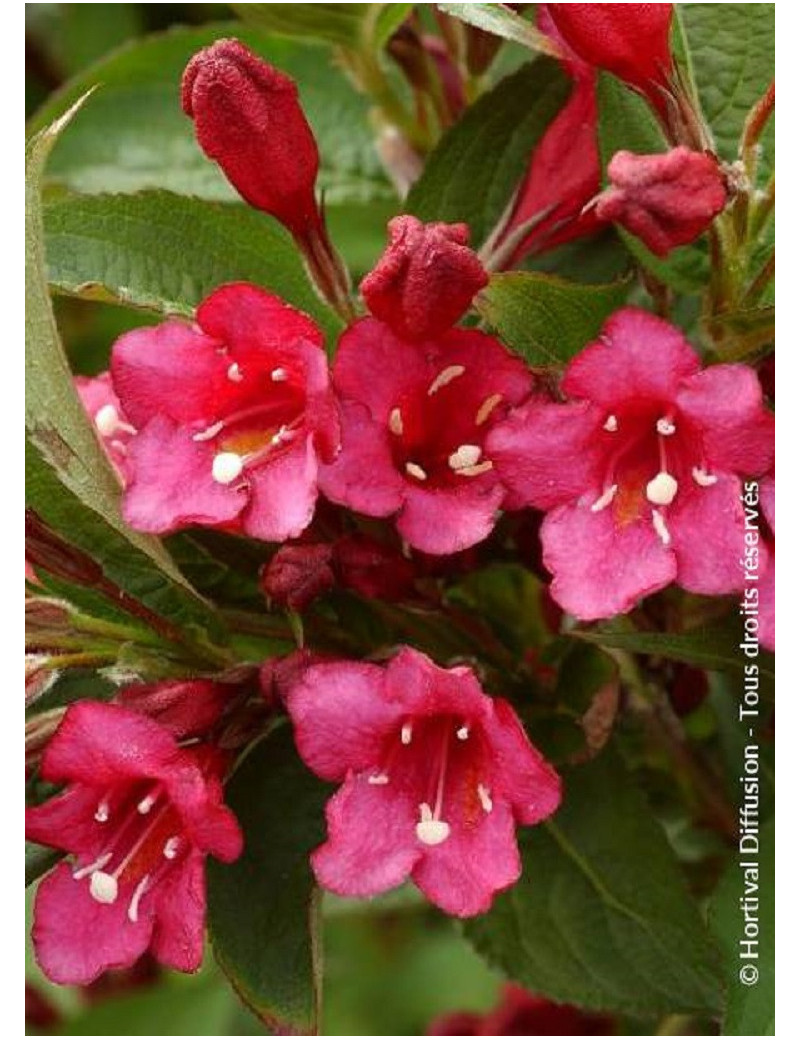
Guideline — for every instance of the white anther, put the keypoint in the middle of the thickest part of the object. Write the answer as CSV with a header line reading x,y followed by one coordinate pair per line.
x,y
413,470
235,373
279,375
463,733
138,892
475,471
486,801
146,804
405,733
209,433
98,864
170,849
487,408
611,424
102,812
447,375
666,427
396,422
464,457
605,499
103,887
431,831
378,779
107,420
227,466
661,529
662,489
703,479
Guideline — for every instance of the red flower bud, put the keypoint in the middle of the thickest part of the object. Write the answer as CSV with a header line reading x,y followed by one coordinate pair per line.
x,y
187,708
248,119
630,40
666,200
297,574
371,569
426,278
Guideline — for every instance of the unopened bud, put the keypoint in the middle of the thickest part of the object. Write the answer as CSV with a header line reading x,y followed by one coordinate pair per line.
x,y
297,574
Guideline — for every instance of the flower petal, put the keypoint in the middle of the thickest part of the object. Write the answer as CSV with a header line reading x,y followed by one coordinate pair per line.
x,y
283,493
421,687
376,368
363,477
521,773
446,521
249,319
707,528
66,821
180,909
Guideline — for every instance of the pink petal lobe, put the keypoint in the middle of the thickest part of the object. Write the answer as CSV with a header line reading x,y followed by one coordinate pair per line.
x,y
707,529
67,821
522,774
376,367
422,688
180,913
363,477
446,521
250,319
283,493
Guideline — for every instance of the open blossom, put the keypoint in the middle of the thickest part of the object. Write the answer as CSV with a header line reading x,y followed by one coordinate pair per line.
x,y
639,470
138,815
110,422
520,1013
415,418
233,415
435,778
665,200
426,279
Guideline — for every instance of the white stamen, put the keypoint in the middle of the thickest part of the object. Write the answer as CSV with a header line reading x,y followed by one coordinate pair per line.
x,y
235,373
475,471
666,427
662,489
413,470
605,499
487,408
661,529
107,420
171,847
146,804
138,892
486,801
284,434
405,733
118,446
103,887
209,433
611,424
279,375
447,375
102,812
98,864
703,479
227,466
463,733
396,422
465,456
431,831
378,779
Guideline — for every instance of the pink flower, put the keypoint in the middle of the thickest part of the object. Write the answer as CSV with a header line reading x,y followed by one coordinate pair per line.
x,y
766,599
665,200
426,279
415,418
435,777
232,413
139,815
638,472
110,423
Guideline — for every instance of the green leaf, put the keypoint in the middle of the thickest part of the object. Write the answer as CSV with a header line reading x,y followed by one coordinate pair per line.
x,y
500,20
38,860
69,482
349,25
601,917
132,134
626,122
714,646
732,55
166,252
749,1009
472,173
263,912
547,319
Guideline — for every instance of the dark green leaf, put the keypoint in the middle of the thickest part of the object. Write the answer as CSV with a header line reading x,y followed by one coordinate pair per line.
x,y
749,1009
474,170
544,318
263,908
348,25
500,20
601,916
133,135
38,860
166,252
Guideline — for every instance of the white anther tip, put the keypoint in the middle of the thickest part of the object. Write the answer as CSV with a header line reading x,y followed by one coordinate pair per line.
x,y
666,427
465,456
103,887
662,489
413,470
279,375
463,733
611,424
107,420
433,832
405,733
227,466
235,373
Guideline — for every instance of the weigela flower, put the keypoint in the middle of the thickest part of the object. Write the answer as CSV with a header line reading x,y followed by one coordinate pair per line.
x,y
665,200
415,418
426,279
766,580
630,40
520,1013
638,472
139,815
248,119
232,414
110,423
435,777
